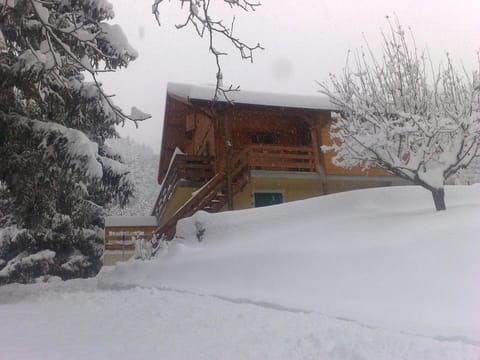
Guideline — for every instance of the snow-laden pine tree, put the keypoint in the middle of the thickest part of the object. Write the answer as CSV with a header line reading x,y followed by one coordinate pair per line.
x,y
400,113
55,172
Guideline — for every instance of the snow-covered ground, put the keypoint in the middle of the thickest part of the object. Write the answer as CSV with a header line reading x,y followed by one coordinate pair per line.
x,y
370,274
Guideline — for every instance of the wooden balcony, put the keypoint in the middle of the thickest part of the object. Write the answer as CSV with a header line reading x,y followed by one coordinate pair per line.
x,y
187,167
200,169
283,158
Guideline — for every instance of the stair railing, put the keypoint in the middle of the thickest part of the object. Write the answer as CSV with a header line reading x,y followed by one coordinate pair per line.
x,y
271,157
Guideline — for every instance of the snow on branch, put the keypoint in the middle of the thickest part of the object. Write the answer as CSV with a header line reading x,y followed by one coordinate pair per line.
x,y
116,43
399,114
23,260
198,17
138,115
3,44
101,43
81,153
114,166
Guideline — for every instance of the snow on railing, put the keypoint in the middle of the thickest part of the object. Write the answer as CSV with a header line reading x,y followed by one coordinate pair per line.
x,y
182,166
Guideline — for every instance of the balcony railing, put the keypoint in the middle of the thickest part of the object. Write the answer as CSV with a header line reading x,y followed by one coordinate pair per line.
x,y
287,158
211,196
188,167
252,157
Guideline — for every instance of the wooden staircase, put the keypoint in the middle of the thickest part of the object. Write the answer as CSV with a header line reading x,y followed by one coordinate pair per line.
x,y
212,196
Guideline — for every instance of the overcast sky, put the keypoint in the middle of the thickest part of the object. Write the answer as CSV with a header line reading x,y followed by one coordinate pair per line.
x,y
304,41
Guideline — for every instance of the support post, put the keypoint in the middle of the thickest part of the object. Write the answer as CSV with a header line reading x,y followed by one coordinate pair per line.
x,y
316,148
228,158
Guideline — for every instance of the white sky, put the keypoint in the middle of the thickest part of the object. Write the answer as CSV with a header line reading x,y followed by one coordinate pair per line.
x,y
304,41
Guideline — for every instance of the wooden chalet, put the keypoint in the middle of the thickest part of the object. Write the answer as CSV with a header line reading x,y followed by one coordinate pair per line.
x,y
256,149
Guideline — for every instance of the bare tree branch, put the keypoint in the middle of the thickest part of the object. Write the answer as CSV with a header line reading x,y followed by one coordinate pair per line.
x,y
198,16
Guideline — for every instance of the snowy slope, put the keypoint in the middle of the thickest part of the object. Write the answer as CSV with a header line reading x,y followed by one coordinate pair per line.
x,y
370,274
76,320
381,257
143,163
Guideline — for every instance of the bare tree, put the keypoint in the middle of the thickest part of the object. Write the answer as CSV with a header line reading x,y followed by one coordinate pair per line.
x,y
198,16
399,113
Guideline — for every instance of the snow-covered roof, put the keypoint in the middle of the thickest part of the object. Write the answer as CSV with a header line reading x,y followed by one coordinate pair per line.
x,y
206,93
131,221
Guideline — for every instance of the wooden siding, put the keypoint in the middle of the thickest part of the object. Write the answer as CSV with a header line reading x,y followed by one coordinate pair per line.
x,y
292,189
121,237
291,128
196,130
331,169
174,133
340,185
203,137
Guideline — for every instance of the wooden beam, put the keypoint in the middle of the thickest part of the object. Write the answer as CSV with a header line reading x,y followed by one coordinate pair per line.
x,y
228,157
316,148
322,158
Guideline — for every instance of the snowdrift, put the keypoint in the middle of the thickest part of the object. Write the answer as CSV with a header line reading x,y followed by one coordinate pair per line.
x,y
380,257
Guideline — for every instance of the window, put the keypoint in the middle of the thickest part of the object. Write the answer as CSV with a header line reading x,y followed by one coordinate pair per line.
x,y
267,198
263,138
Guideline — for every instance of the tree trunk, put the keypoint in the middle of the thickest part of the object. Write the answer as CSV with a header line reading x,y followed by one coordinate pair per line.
x,y
439,199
